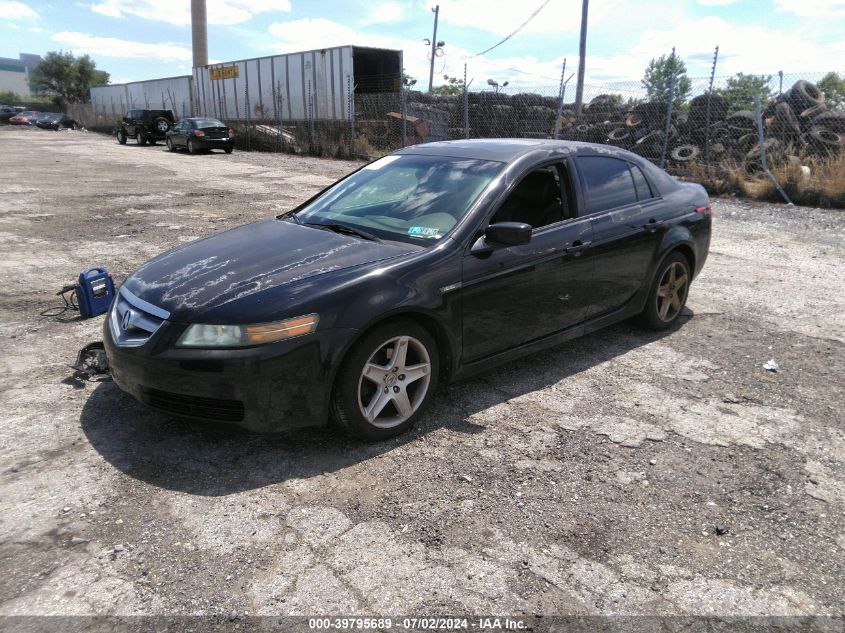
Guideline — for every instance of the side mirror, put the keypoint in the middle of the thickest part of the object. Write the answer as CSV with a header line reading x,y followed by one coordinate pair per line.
x,y
502,234
508,233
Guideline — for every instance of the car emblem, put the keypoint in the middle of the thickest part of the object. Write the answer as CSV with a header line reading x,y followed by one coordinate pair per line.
x,y
126,321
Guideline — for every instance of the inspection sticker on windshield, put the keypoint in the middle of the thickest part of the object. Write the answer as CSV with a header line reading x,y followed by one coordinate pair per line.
x,y
424,231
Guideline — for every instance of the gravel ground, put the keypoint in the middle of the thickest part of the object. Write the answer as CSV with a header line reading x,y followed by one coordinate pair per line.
x,y
623,473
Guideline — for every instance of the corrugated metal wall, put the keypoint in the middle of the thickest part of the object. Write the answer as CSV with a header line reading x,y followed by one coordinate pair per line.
x,y
172,93
281,86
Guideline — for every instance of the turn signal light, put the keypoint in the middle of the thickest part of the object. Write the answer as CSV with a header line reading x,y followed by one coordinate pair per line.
x,y
706,210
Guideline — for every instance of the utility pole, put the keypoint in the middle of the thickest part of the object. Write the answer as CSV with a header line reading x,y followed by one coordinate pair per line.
x,y
582,54
436,11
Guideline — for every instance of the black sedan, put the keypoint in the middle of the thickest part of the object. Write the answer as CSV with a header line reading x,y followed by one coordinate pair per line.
x,y
430,264
200,134
55,121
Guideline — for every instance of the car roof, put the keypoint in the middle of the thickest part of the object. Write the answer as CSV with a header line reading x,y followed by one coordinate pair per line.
x,y
509,149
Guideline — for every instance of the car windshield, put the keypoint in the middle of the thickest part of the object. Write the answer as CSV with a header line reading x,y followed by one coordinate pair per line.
x,y
408,197
208,123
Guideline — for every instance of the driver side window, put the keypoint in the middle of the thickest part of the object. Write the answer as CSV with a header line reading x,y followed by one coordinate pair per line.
x,y
542,197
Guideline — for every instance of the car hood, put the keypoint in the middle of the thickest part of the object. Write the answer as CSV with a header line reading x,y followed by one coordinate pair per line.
x,y
199,278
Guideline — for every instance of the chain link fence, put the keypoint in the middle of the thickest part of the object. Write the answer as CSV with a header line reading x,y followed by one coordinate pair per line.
x,y
706,127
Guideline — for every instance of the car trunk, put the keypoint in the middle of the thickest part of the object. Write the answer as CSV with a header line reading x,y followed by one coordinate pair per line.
x,y
216,131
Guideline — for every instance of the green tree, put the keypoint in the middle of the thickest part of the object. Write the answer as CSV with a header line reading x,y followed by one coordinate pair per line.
x,y
740,90
67,78
453,86
833,88
10,97
658,77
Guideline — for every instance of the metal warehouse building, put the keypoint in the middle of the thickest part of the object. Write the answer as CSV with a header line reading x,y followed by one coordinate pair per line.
x,y
311,85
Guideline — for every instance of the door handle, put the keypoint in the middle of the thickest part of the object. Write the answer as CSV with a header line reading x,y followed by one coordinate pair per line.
x,y
652,225
577,247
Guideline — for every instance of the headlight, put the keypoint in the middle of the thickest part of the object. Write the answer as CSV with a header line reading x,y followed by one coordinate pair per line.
x,y
200,335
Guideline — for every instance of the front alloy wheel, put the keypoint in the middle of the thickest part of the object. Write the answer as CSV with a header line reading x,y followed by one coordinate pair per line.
x,y
387,380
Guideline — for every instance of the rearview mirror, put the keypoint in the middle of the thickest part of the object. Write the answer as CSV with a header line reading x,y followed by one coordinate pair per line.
x,y
502,234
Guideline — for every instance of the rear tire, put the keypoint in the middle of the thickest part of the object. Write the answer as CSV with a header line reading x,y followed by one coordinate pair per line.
x,y
169,144
386,381
161,124
668,293
228,150
192,149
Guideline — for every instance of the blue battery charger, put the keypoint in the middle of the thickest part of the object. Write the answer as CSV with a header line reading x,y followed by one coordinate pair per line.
x,y
94,292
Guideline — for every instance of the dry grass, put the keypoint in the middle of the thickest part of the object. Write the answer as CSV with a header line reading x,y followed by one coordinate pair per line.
x,y
823,187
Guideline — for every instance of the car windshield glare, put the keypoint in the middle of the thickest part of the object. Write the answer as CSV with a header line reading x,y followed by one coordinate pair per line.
x,y
408,198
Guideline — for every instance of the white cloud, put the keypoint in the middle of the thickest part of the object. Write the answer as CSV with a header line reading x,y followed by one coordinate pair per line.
x,y
385,13
16,11
813,8
717,3
114,47
179,13
300,35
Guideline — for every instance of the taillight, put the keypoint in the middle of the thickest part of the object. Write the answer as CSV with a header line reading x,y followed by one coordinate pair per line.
x,y
706,210
199,133
231,133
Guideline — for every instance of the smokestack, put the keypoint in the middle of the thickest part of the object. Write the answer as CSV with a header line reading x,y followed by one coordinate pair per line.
x,y
199,32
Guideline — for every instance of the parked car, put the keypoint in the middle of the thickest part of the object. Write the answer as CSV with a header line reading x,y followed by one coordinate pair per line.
x,y
432,263
200,134
27,117
7,112
55,121
145,126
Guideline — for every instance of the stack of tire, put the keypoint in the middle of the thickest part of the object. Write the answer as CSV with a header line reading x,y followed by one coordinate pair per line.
x,y
798,125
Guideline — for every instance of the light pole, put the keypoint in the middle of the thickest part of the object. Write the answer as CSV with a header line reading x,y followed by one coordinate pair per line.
x,y
496,85
582,54
434,47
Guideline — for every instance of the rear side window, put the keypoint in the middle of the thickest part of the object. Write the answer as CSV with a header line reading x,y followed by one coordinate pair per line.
x,y
609,183
644,191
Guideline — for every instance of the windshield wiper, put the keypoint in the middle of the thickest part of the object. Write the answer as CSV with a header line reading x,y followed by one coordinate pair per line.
x,y
344,229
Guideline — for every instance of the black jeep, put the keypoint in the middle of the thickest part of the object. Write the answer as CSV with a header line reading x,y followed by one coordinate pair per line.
x,y
145,126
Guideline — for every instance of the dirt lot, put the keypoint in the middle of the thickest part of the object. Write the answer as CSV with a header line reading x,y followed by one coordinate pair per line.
x,y
625,472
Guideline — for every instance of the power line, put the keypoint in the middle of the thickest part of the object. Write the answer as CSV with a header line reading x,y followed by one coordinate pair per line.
x,y
518,29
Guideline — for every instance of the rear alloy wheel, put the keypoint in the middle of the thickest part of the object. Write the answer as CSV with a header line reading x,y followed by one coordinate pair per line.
x,y
169,144
668,294
121,137
386,381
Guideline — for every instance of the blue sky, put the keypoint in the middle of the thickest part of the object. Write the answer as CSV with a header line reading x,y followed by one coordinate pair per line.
x,y
145,39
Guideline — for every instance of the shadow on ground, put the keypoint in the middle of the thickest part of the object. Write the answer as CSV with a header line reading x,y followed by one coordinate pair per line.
x,y
214,460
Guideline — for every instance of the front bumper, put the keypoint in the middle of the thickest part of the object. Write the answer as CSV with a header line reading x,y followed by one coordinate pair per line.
x,y
268,388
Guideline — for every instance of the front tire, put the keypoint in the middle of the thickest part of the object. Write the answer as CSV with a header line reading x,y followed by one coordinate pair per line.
x,y
140,138
228,150
121,137
386,381
668,293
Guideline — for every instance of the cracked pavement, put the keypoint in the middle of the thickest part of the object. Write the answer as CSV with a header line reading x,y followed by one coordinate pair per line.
x,y
626,472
